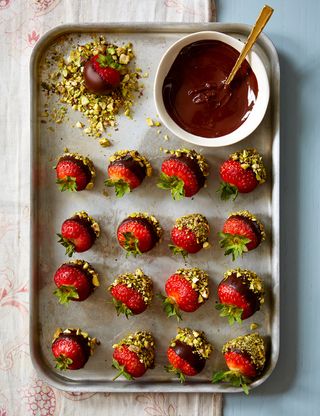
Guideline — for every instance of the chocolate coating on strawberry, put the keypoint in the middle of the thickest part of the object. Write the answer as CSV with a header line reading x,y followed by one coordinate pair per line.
x,y
79,233
184,173
242,172
134,355
132,293
190,234
241,293
75,281
101,74
187,353
127,170
72,348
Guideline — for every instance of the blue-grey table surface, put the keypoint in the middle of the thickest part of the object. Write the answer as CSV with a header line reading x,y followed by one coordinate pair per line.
x,y
294,387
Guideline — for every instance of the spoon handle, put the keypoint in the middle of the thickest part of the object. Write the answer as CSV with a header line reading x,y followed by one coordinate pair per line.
x,y
262,20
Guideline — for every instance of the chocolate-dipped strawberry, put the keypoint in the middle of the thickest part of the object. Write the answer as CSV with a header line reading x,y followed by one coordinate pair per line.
x,y
245,357
186,290
242,173
131,292
134,355
184,173
127,170
241,232
75,281
79,233
241,293
139,233
187,353
101,73
190,234
75,172
72,348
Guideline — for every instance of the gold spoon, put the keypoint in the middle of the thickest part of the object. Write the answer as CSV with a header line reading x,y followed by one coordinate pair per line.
x,y
262,20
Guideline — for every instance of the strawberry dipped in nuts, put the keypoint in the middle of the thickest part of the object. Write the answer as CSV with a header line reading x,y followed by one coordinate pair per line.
x,y
187,353
139,233
75,172
75,281
190,234
79,233
184,173
241,293
241,232
134,355
186,290
72,348
241,173
126,171
245,357
131,292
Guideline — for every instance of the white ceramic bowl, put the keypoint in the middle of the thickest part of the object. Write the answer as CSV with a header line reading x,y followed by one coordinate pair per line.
x,y
259,108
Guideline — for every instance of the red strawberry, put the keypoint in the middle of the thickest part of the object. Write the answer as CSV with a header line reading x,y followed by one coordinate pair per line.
x,y
187,353
190,234
75,280
78,233
241,293
183,173
242,172
241,232
72,348
186,290
75,172
132,293
139,233
245,356
134,355
126,171
101,74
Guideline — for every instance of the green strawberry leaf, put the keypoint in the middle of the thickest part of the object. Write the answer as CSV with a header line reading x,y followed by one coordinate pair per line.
x,y
121,308
131,244
63,362
107,61
233,244
68,183
70,247
173,183
226,191
65,293
234,378
178,251
121,371
121,187
170,307
232,312
176,371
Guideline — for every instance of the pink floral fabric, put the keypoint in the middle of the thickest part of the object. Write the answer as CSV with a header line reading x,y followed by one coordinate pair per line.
x,y
22,392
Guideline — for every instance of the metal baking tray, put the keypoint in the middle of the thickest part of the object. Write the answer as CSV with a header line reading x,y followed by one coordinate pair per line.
x,y
50,207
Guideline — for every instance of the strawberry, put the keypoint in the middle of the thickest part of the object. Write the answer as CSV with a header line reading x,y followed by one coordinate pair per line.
x,y
241,232
241,293
184,173
134,355
102,74
187,290
187,353
242,172
132,293
74,172
139,233
127,170
72,348
75,280
189,234
245,357
78,233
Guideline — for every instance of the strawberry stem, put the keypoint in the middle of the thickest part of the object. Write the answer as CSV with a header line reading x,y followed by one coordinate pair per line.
x,y
170,307
121,308
121,187
175,184
70,247
232,312
176,371
226,191
68,183
63,362
65,293
131,244
233,244
122,371
178,250
234,378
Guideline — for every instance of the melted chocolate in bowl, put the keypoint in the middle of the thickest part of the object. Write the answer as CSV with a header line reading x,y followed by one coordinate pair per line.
x,y
195,95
